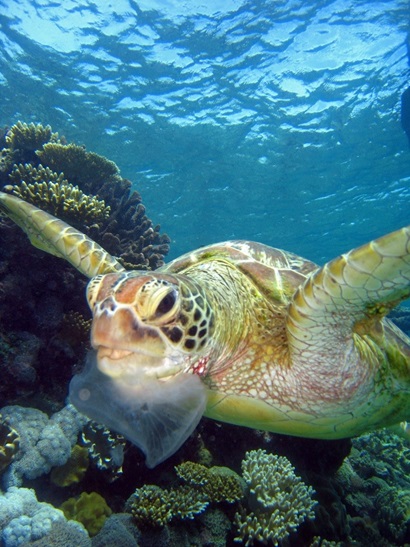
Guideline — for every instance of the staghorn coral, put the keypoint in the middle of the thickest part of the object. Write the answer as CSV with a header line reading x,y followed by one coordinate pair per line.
x,y
91,510
73,470
9,444
282,500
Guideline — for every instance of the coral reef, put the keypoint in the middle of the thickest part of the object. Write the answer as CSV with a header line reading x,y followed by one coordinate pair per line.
x,y
79,165
31,136
282,500
73,470
216,483
24,519
44,442
51,191
89,509
9,444
40,293
376,487
155,506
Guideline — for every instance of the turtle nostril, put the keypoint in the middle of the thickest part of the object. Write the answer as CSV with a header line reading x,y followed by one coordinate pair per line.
x,y
108,305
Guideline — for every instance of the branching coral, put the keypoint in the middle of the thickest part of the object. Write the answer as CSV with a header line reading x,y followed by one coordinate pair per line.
x,y
126,232
154,506
282,500
52,192
22,136
29,174
217,483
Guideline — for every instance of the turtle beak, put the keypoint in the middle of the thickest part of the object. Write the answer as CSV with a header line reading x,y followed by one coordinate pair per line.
x,y
131,382
124,345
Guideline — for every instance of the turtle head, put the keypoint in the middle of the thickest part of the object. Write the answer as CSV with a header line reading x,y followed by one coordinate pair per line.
x,y
147,330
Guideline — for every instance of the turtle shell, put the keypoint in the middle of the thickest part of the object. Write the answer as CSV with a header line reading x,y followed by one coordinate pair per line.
x,y
276,273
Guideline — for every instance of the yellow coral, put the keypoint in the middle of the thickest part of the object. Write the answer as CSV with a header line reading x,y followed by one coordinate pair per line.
x,y
89,509
29,174
63,200
31,136
73,470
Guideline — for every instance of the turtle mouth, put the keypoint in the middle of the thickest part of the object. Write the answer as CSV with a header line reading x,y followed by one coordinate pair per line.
x,y
135,366
113,353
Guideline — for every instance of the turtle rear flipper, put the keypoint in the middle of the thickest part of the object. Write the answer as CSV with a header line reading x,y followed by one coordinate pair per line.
x,y
349,294
55,237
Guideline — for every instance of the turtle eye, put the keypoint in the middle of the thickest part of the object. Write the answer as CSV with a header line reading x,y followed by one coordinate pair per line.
x,y
166,304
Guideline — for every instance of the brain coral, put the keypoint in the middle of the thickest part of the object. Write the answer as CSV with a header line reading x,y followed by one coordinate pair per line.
x,y
281,499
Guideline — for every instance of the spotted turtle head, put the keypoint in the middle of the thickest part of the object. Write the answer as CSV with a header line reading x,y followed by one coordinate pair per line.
x,y
148,323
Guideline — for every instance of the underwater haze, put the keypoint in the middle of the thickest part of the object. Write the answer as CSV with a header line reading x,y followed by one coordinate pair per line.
x,y
275,121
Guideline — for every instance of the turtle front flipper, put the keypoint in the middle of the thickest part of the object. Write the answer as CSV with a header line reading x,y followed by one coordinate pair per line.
x,y
54,236
349,295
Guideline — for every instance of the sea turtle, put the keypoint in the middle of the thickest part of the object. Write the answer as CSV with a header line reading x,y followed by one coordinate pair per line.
x,y
239,332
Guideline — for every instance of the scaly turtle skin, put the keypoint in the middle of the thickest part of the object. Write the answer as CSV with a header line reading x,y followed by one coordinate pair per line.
x,y
238,332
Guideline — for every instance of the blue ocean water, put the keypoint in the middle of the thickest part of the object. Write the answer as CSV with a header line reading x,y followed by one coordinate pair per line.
x,y
270,120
